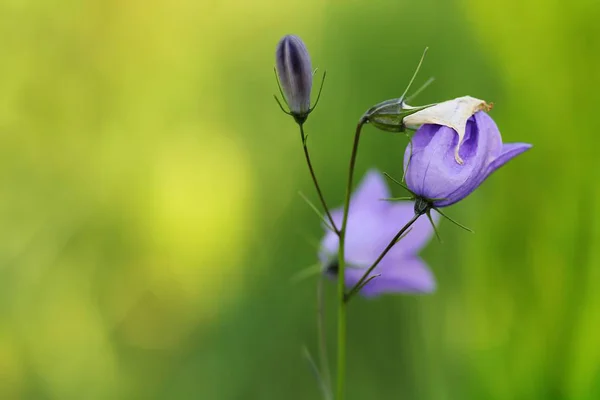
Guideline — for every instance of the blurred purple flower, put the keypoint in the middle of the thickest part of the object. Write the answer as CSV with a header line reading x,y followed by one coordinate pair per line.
x,y
372,224
433,172
294,70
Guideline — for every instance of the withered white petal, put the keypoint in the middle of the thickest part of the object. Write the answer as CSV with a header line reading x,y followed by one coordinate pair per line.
x,y
452,113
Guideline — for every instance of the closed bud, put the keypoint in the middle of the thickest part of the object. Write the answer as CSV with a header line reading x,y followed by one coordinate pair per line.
x,y
389,115
295,74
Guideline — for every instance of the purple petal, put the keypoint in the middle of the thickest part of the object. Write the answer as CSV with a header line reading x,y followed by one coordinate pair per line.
x,y
367,235
295,73
433,172
434,164
405,275
367,229
329,248
372,224
429,142
509,151
370,192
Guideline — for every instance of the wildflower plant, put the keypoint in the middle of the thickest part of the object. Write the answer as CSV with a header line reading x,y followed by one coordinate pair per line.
x,y
371,243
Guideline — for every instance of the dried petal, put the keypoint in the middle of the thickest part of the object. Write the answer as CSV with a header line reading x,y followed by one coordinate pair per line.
x,y
452,113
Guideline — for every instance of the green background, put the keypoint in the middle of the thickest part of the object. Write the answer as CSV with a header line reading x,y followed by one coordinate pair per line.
x,y
150,223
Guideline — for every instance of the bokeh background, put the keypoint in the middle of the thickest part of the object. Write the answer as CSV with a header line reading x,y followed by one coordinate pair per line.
x,y
150,224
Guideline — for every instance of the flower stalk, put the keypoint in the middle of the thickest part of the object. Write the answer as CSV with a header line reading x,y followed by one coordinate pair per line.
x,y
315,181
341,326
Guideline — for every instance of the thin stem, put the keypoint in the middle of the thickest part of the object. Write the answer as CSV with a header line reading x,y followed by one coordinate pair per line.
x,y
281,106
419,90
320,90
314,178
307,272
391,178
341,339
316,210
323,338
315,370
357,287
398,198
414,74
280,90
437,234
454,221
341,328
365,283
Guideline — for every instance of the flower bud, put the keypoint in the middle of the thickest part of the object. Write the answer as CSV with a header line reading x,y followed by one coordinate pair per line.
x,y
295,74
431,171
389,115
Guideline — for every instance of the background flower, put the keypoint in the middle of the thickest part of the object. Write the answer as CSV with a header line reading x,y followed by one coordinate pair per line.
x,y
372,224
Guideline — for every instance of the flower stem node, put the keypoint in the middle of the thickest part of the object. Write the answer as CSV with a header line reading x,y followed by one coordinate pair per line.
x,y
422,206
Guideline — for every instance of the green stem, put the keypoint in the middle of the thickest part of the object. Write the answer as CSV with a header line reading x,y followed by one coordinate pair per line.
x,y
341,340
314,178
357,287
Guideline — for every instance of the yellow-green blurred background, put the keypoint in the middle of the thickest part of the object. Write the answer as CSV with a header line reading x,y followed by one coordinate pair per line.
x,y
150,223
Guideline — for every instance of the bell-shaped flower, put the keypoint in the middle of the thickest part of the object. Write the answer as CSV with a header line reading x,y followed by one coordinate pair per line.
x,y
431,168
294,71
372,224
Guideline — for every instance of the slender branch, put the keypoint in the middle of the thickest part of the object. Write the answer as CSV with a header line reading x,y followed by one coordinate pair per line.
x,y
369,279
341,339
316,210
314,178
443,214
320,90
391,178
414,75
398,198
437,234
419,90
280,89
281,106
357,287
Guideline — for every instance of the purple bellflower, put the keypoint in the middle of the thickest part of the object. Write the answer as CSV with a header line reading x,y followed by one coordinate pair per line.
x,y
431,168
294,71
372,224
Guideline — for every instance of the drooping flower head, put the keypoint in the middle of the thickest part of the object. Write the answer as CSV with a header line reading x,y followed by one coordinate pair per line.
x,y
444,165
372,224
295,74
